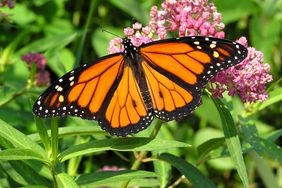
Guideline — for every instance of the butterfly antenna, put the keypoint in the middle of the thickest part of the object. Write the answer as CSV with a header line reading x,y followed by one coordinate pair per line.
x,y
133,21
104,30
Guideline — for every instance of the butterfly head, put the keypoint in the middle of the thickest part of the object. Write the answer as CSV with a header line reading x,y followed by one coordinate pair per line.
x,y
129,48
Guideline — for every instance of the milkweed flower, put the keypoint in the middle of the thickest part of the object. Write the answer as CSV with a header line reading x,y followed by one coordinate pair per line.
x,y
200,17
9,3
36,58
137,34
189,18
110,168
42,76
247,79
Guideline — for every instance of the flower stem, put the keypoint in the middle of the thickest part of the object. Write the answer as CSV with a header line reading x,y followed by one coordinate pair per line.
x,y
83,37
54,149
31,80
42,131
264,170
137,163
8,51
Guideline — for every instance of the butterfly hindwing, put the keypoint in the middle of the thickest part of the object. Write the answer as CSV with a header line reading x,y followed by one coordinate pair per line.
x,y
169,100
126,111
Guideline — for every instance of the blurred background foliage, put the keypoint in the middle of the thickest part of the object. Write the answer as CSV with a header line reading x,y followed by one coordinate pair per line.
x,y
56,28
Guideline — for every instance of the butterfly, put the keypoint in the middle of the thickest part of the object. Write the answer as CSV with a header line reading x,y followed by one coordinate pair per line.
x,y
125,91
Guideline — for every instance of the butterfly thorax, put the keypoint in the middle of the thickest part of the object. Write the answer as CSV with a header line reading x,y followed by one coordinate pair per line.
x,y
130,50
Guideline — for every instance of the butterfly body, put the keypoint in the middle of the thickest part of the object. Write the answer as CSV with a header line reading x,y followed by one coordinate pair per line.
x,y
124,91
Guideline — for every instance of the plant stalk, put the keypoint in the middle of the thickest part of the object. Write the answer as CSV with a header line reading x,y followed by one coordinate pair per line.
x,y
84,33
137,163
54,149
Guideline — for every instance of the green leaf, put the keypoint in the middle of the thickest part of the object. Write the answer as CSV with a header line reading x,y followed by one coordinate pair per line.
x,y
100,40
34,186
66,181
19,140
232,141
274,97
274,135
260,145
40,168
72,131
16,75
144,182
205,148
234,10
61,61
188,170
208,108
22,15
6,93
133,8
120,144
264,170
42,132
163,170
107,177
3,179
265,35
55,27
20,154
23,174
12,173
49,44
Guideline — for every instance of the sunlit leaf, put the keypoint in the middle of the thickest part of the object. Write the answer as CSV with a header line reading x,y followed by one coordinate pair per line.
x,y
66,181
274,97
188,170
232,141
19,140
120,144
209,145
20,154
110,177
260,145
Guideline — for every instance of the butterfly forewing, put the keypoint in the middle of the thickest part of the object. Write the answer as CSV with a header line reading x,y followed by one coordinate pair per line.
x,y
192,60
82,91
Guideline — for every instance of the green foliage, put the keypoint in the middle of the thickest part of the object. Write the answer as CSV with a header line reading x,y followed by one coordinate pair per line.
x,y
224,144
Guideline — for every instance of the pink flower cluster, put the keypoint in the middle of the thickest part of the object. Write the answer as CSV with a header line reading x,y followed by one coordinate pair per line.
x,y
36,58
42,76
110,168
10,3
199,17
247,79
188,17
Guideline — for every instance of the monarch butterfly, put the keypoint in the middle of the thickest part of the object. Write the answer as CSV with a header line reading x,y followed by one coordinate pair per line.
x,y
125,91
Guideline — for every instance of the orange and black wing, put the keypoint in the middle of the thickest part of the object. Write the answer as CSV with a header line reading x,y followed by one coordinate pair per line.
x,y
176,70
82,92
106,91
127,111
